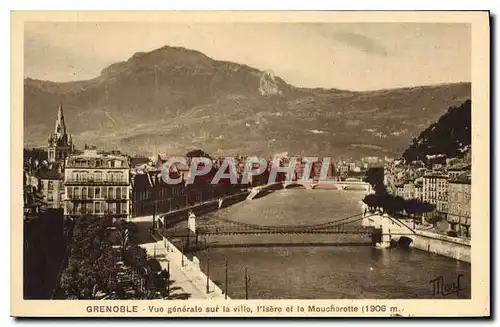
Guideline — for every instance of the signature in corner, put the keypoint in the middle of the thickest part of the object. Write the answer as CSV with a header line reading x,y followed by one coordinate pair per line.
x,y
440,288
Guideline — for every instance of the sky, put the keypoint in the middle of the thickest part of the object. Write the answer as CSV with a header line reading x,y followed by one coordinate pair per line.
x,y
353,56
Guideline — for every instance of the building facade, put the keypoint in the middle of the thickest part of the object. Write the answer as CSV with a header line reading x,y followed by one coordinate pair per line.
x,y
51,184
459,195
151,195
98,184
435,191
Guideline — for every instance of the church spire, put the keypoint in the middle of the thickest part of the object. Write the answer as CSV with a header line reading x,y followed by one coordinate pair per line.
x,y
60,129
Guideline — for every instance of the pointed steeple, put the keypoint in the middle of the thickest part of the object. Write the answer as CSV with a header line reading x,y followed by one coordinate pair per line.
x,y
60,129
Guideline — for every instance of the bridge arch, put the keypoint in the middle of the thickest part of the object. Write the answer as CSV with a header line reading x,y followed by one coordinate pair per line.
x,y
295,185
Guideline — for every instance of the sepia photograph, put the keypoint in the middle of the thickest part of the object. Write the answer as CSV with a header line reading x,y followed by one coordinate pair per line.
x,y
225,159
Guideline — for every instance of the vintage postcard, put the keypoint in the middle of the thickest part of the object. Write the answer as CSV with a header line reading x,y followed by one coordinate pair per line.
x,y
250,164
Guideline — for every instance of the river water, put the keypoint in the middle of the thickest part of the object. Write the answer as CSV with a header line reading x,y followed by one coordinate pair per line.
x,y
320,272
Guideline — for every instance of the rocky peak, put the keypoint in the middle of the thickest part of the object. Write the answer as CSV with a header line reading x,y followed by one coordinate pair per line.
x,y
269,84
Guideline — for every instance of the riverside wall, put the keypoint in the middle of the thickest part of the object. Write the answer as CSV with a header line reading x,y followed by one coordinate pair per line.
x,y
451,247
185,273
394,230
173,217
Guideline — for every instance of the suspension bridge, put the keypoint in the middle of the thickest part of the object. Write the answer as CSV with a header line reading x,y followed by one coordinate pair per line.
x,y
221,226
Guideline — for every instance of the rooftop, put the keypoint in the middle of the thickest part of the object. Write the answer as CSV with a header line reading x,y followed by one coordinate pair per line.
x,y
462,179
46,173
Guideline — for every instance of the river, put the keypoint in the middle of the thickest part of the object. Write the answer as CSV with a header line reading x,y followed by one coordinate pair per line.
x,y
321,272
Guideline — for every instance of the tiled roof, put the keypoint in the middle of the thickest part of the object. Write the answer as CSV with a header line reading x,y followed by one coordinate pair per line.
x,y
462,179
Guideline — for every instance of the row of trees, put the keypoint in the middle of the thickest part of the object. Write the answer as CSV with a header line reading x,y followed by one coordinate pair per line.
x,y
394,205
102,262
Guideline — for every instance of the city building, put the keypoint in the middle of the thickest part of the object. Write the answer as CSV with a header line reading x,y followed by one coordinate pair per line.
x,y
457,170
32,197
435,191
51,184
60,143
409,190
97,184
151,195
459,195
399,190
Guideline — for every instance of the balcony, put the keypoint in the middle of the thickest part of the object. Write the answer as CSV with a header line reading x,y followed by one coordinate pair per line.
x,y
97,182
91,198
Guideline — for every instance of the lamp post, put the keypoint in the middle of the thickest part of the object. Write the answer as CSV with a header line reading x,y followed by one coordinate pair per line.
x,y
246,284
168,279
225,287
208,275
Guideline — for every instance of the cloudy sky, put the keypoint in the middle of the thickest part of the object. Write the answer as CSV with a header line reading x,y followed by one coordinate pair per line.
x,y
356,56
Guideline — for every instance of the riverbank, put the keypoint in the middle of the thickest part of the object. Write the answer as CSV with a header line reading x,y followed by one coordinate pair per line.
x,y
451,247
174,217
396,230
189,280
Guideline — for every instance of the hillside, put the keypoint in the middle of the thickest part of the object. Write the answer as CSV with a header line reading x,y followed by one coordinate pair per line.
x,y
173,100
448,137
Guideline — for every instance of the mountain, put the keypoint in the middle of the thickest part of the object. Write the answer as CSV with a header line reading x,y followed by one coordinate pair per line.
x,y
449,137
174,100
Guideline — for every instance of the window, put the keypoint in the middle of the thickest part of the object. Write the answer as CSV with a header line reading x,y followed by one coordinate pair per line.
x,y
50,185
50,196
118,193
97,207
69,191
124,193
98,176
110,192
84,192
97,192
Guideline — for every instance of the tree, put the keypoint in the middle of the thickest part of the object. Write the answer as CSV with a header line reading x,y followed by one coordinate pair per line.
x,y
125,230
198,153
371,200
135,256
375,177
92,264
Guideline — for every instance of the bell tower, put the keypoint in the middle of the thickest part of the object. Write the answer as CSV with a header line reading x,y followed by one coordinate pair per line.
x,y
59,144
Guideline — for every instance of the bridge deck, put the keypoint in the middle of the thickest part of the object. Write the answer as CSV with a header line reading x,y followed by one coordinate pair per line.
x,y
242,231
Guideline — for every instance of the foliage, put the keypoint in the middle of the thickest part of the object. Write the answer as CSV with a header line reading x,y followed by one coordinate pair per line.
x,y
197,153
375,177
92,264
126,230
395,204
447,136
134,256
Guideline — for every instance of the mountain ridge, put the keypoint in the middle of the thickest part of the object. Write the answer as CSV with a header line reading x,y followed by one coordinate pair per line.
x,y
173,99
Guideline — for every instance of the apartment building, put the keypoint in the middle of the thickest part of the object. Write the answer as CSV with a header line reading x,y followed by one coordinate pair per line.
x,y
435,191
459,205
98,184
51,185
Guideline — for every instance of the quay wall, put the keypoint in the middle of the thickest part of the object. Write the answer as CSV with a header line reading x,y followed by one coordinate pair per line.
x,y
451,247
185,273
173,217
393,230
